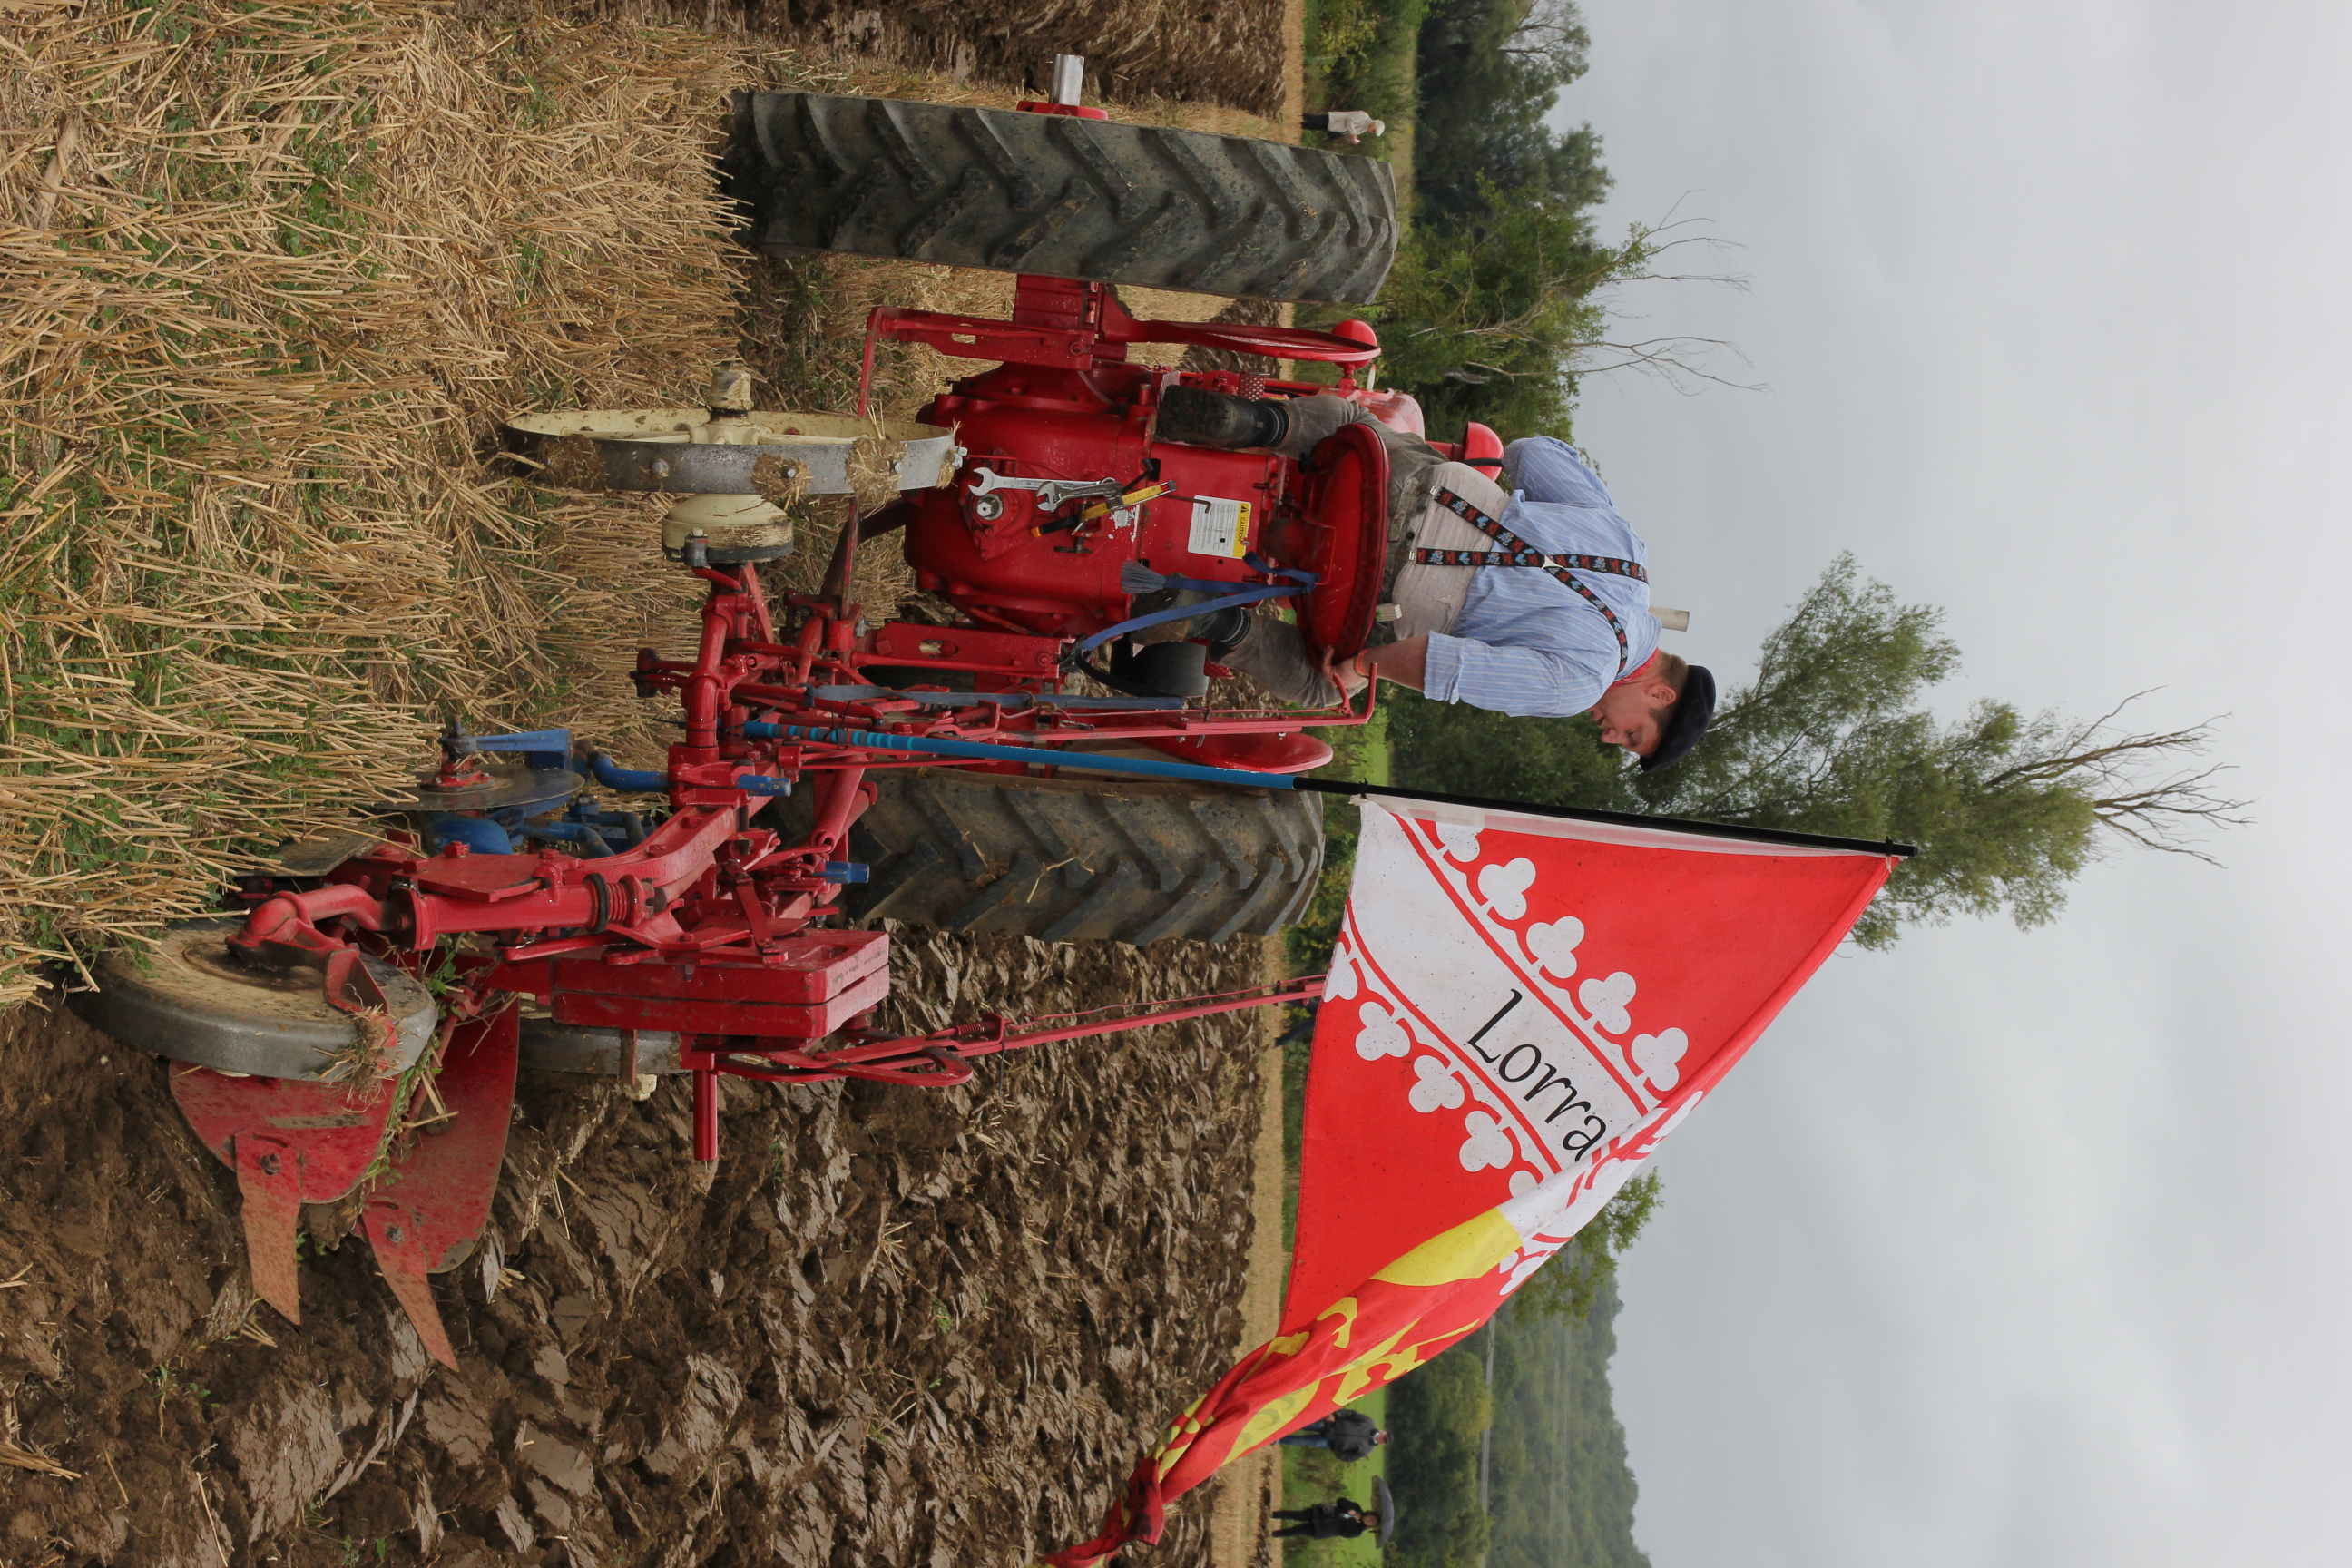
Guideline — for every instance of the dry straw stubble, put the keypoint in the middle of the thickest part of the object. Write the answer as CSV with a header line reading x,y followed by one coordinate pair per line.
x,y
267,278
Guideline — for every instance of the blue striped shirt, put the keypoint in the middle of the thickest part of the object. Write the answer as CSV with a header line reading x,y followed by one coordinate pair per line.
x,y
1526,643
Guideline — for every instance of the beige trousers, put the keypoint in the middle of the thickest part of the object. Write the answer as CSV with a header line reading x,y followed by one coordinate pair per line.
x,y
1429,598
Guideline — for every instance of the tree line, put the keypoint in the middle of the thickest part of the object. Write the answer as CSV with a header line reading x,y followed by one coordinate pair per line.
x,y
1494,290
1529,1395
1837,733
1495,310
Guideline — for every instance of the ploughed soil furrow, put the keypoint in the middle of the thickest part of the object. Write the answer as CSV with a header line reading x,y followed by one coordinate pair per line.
x,y
1228,53
890,1326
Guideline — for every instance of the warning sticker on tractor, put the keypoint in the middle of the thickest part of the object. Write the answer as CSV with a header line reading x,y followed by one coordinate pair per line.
x,y
1220,527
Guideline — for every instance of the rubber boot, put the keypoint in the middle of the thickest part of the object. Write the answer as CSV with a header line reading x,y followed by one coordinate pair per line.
x,y
1274,654
1219,629
1198,418
1223,630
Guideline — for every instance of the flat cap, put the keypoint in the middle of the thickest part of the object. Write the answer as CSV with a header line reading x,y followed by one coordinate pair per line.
x,y
1685,721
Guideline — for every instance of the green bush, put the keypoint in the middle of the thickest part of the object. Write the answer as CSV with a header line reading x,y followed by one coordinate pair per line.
x,y
1489,74
1461,750
1436,1416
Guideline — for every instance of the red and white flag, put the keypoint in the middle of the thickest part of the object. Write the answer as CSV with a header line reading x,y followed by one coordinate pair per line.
x,y
1520,1007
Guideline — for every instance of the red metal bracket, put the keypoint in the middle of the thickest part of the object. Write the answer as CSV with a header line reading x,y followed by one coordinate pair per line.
x,y
960,648
1044,333
437,1198
1073,110
939,1060
291,1141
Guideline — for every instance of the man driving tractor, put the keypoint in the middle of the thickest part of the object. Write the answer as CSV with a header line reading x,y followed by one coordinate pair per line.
x,y
1531,600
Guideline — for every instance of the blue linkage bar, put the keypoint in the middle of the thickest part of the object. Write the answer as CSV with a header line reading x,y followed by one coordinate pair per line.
x,y
1247,595
1047,757
1136,578
640,781
645,781
478,833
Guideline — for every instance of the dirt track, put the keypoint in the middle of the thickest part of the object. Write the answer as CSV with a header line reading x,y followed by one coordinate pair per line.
x,y
899,1327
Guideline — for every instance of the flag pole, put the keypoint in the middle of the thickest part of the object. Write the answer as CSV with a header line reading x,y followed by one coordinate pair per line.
x,y
1040,756
1612,819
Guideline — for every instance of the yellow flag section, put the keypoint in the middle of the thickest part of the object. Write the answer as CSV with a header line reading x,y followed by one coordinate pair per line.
x,y
1400,1318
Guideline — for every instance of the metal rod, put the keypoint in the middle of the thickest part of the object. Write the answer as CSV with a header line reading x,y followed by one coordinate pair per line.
x,y
877,1057
1048,756
1306,990
706,1115
1038,756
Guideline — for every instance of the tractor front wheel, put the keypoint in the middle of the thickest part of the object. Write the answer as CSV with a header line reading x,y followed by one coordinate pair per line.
x,y
1068,860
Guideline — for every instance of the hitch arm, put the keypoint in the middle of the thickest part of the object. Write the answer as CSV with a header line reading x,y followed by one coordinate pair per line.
x,y
286,928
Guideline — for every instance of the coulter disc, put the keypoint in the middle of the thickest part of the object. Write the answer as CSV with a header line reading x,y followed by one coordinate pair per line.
x,y
191,1001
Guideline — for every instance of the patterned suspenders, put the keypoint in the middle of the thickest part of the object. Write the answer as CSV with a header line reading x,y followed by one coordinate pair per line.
x,y
1516,553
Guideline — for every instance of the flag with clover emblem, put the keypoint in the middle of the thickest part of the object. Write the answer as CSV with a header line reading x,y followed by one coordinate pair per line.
x,y
1520,1005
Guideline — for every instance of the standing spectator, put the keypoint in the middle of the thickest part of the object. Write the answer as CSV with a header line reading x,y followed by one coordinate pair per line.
x,y
1349,1434
1342,1519
1354,124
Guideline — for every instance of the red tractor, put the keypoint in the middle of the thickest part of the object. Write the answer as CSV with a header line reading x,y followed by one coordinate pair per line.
x,y
365,1014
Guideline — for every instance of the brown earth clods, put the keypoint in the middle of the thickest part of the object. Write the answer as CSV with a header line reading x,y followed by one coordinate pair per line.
x,y
1228,52
890,1326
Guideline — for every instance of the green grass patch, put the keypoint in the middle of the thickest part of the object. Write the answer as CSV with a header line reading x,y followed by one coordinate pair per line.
x,y
1365,54
1362,754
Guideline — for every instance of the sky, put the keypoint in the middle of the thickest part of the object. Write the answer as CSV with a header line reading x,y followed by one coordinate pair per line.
x,y
2005,1247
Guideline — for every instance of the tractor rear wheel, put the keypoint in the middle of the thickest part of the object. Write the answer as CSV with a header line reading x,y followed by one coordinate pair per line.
x,y
1067,860
1017,192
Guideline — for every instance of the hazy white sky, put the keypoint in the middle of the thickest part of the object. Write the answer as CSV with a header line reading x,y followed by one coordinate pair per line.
x,y
2007,1249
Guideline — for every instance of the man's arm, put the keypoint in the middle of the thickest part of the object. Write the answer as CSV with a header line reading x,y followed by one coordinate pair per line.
x,y
1526,682
1405,663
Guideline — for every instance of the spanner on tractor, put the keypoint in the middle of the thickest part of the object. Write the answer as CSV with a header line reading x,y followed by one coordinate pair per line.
x,y
1050,493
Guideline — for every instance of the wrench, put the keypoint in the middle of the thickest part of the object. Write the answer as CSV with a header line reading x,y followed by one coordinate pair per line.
x,y
1050,493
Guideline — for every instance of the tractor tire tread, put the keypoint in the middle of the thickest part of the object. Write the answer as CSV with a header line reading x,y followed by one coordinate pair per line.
x,y
1008,191
1136,861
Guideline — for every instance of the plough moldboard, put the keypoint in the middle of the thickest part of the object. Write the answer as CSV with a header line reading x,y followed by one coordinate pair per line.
x,y
355,1023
